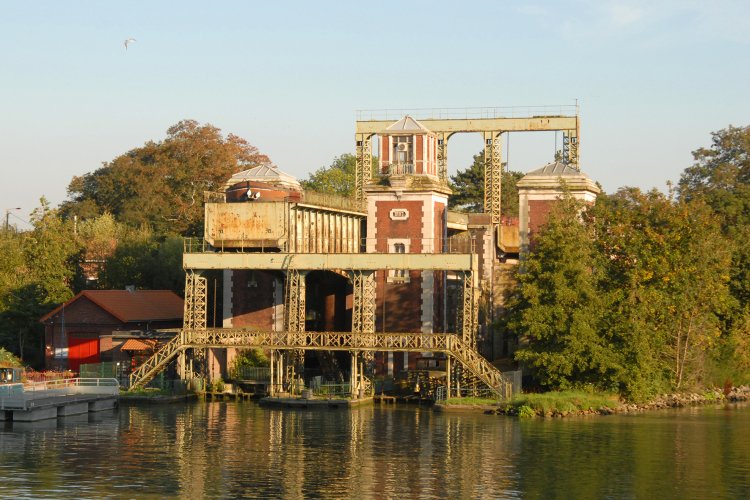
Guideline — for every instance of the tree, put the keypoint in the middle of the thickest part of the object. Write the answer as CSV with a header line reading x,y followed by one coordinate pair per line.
x,y
146,261
36,274
721,177
665,283
338,178
557,307
468,189
161,184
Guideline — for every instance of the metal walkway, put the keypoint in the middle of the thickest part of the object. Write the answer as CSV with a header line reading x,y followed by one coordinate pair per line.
x,y
450,344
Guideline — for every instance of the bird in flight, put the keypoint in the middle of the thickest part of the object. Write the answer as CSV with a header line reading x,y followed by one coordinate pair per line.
x,y
128,42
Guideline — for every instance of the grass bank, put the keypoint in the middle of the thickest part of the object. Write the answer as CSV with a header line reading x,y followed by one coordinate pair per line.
x,y
144,393
558,403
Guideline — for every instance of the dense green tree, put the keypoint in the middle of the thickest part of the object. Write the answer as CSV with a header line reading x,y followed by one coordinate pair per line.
x,y
337,178
558,307
721,177
665,286
161,184
468,189
36,273
146,261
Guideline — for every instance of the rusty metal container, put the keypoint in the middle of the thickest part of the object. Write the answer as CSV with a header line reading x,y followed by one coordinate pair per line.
x,y
257,224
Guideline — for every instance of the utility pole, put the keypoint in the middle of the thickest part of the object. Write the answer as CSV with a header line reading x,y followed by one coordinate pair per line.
x,y
7,217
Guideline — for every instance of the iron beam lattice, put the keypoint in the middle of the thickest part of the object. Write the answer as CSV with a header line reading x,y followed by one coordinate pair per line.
x,y
363,170
449,344
493,175
363,311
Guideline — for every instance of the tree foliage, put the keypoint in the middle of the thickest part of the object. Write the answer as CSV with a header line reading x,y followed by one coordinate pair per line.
x,y
559,307
161,184
468,189
630,294
338,178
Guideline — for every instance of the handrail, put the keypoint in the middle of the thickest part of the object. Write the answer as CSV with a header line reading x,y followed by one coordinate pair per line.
x,y
153,365
468,113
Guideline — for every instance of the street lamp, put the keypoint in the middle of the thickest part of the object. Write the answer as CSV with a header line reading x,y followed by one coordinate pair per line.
x,y
7,217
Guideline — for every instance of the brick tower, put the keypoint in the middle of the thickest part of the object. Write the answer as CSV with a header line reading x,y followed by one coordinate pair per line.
x,y
406,213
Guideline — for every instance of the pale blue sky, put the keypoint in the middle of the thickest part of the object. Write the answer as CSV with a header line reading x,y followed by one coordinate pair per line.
x,y
653,78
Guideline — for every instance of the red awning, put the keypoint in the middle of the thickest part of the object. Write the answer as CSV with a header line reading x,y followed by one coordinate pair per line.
x,y
138,345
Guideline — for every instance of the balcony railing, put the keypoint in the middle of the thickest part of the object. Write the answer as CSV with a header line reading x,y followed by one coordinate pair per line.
x,y
388,169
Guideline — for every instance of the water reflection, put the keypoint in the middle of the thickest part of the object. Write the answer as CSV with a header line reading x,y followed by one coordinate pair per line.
x,y
232,450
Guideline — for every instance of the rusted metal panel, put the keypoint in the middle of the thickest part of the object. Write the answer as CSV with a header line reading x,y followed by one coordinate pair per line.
x,y
246,225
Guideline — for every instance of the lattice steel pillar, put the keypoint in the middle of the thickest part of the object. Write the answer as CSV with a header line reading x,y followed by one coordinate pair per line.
x,y
469,311
493,174
294,300
570,148
363,170
194,319
294,318
363,309
442,156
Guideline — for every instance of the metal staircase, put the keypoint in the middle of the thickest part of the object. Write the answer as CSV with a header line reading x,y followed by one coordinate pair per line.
x,y
156,363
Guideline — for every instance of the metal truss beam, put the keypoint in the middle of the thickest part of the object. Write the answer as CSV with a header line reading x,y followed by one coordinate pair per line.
x,y
449,344
368,128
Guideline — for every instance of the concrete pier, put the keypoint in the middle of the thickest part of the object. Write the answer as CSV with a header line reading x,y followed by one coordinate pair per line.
x,y
59,398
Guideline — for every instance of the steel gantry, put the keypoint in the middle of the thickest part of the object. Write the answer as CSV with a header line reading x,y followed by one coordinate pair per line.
x,y
491,122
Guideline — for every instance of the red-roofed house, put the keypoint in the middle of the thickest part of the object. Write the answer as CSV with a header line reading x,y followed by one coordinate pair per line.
x,y
84,329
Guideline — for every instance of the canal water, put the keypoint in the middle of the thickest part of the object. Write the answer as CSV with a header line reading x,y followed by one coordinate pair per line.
x,y
232,450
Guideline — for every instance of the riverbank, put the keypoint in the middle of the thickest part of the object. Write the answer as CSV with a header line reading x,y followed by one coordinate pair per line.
x,y
572,403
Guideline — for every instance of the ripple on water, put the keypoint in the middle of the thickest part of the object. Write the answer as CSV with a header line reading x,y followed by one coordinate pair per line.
x,y
232,450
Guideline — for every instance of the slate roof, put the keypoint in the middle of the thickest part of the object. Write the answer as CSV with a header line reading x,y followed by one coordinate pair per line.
x,y
555,169
127,306
265,173
408,124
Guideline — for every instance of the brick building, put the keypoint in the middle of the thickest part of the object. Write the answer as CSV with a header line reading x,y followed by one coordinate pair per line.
x,y
94,325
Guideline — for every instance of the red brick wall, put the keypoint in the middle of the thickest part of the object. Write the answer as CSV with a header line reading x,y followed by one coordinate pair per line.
x,y
252,306
539,211
410,228
403,304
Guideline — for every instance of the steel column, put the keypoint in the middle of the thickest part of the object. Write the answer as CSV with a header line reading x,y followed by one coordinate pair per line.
x,y
442,156
294,300
363,170
570,148
493,174
363,309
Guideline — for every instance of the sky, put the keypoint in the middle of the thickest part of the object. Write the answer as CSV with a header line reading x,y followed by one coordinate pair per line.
x,y
653,79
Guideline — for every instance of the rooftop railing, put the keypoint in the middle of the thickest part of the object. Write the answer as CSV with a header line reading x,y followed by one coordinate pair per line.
x,y
467,113
323,200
